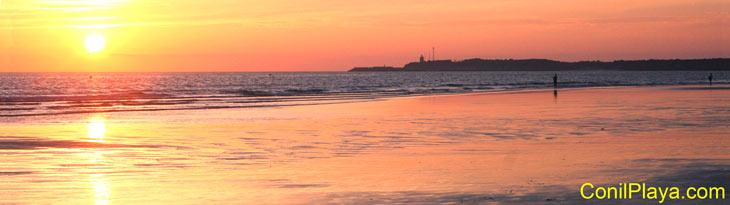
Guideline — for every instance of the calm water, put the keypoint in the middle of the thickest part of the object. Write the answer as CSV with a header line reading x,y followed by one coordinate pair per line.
x,y
29,94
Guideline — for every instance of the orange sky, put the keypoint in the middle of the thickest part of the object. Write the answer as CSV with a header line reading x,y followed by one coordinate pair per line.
x,y
278,35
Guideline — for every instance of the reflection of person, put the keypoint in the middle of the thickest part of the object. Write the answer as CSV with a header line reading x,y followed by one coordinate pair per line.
x,y
710,78
555,80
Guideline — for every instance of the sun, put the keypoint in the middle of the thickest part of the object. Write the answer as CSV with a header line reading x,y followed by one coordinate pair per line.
x,y
94,43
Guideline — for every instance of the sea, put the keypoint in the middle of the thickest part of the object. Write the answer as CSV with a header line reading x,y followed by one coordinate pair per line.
x,y
48,94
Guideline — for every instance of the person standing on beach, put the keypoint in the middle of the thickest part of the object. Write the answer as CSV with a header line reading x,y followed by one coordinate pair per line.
x,y
710,78
555,80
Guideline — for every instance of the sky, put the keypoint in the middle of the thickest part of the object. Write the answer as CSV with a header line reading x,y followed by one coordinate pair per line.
x,y
318,35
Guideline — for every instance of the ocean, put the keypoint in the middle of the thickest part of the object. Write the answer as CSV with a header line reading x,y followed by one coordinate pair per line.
x,y
34,94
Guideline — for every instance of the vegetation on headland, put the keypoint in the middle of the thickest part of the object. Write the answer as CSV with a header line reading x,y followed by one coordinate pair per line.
x,y
551,65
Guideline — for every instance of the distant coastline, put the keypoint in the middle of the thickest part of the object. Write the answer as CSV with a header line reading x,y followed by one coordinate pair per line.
x,y
477,64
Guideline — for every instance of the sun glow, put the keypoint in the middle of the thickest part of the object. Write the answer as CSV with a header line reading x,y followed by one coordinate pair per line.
x,y
94,43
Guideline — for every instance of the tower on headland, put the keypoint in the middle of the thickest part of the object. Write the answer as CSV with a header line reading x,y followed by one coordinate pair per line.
x,y
421,59
433,53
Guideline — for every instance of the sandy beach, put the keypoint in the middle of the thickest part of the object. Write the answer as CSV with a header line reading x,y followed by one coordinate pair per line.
x,y
534,146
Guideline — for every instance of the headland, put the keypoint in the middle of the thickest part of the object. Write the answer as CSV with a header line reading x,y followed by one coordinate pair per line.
x,y
478,64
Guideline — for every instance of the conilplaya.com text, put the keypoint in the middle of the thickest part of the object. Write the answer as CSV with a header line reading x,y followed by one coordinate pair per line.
x,y
643,191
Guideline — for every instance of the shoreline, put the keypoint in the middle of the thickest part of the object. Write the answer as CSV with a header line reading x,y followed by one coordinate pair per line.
x,y
363,98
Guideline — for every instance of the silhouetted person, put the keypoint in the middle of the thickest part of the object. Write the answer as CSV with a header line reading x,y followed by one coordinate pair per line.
x,y
555,80
710,78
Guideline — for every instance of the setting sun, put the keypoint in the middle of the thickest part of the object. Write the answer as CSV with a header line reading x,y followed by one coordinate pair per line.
x,y
94,43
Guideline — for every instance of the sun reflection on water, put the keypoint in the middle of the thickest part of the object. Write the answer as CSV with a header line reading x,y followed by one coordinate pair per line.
x,y
98,179
100,187
96,129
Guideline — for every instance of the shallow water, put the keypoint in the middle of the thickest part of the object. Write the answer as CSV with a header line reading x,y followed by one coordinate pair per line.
x,y
32,94
512,147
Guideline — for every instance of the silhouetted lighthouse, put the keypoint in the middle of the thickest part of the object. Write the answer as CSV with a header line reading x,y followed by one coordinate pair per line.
x,y
421,59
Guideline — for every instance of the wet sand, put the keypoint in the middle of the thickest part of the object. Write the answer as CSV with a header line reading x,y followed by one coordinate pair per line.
x,y
512,147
